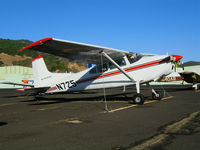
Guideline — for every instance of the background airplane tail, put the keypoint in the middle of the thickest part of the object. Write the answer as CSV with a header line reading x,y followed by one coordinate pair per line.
x,y
41,74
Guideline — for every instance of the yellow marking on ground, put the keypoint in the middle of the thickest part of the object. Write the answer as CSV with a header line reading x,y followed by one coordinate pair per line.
x,y
152,101
166,98
147,102
122,108
8,104
170,129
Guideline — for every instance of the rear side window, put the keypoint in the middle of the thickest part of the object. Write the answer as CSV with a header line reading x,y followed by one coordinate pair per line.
x,y
93,70
99,69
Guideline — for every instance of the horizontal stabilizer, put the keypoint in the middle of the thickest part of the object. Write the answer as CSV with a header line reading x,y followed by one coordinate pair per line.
x,y
14,83
37,90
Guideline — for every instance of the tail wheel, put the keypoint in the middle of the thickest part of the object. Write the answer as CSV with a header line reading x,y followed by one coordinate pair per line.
x,y
157,96
138,99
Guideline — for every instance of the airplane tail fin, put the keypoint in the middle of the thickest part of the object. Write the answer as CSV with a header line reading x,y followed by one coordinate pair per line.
x,y
40,72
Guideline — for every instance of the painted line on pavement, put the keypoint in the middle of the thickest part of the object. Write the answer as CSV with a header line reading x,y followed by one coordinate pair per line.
x,y
166,98
134,105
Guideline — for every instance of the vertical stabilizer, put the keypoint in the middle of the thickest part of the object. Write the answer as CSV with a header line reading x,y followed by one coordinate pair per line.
x,y
40,72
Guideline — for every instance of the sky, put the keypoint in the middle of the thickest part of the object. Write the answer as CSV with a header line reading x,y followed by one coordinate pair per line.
x,y
143,26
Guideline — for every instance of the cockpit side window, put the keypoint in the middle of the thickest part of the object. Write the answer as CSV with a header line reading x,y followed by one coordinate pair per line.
x,y
102,69
133,57
120,62
98,68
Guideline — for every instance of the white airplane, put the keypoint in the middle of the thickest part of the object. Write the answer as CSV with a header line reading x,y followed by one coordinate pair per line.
x,y
113,68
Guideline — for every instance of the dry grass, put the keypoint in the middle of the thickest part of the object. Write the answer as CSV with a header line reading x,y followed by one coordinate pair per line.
x,y
8,59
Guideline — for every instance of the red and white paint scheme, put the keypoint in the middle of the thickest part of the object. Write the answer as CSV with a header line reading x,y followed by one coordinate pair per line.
x,y
113,67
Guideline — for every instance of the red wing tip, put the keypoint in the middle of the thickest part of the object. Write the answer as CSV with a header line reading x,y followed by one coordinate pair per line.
x,y
42,41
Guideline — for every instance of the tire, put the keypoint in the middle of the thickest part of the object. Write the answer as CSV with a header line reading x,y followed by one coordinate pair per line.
x,y
159,97
138,99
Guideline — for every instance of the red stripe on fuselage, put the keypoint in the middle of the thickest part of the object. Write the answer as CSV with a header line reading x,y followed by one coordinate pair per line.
x,y
128,69
145,65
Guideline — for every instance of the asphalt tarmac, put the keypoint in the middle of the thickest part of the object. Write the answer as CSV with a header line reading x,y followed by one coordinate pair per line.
x,y
79,121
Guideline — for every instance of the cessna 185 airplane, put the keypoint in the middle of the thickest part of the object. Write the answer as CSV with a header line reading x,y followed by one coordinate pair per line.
x,y
113,68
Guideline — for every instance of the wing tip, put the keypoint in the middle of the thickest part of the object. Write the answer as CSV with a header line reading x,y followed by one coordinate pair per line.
x,y
42,41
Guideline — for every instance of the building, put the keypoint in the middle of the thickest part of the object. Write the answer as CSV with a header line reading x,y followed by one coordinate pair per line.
x,y
14,74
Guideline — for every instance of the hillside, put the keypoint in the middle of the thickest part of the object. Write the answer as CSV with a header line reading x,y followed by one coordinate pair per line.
x,y
8,60
10,55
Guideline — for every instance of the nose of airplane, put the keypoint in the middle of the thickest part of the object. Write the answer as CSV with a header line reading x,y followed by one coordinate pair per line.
x,y
177,57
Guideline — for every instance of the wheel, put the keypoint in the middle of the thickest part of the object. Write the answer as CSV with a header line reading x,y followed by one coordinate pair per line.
x,y
159,95
138,99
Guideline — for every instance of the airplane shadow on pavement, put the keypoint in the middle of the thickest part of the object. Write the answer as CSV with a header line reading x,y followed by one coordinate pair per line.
x,y
3,123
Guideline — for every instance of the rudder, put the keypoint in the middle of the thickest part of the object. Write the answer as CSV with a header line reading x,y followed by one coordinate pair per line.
x,y
40,72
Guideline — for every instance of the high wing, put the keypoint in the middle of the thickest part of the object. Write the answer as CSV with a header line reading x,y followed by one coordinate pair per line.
x,y
73,51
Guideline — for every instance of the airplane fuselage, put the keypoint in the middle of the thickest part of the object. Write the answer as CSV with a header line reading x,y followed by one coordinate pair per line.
x,y
146,69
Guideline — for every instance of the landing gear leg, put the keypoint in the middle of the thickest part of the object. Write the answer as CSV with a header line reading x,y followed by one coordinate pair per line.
x,y
138,98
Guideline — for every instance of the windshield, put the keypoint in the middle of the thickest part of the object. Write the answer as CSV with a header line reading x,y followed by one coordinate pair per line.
x,y
133,57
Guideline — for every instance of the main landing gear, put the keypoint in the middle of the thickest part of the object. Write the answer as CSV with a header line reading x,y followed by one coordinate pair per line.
x,y
138,99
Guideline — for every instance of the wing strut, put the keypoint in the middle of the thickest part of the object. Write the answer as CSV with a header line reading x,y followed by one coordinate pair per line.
x,y
116,65
138,98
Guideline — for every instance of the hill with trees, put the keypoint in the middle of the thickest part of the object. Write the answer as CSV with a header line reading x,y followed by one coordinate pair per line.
x,y
10,55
